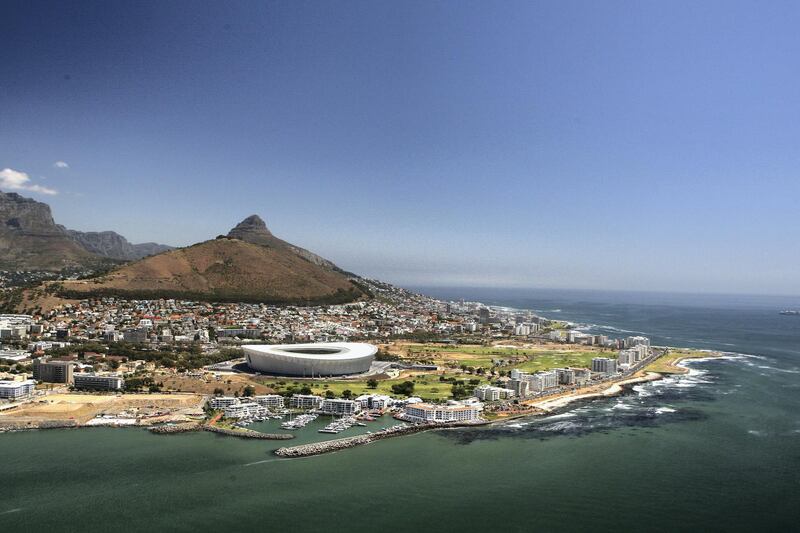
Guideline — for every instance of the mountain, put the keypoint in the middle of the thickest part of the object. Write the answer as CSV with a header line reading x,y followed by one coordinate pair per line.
x,y
31,240
248,265
254,230
114,246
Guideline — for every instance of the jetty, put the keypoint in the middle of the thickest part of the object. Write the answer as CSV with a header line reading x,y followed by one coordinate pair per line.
x,y
247,433
318,448
168,429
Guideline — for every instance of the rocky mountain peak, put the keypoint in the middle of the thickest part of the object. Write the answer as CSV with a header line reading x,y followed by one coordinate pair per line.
x,y
252,229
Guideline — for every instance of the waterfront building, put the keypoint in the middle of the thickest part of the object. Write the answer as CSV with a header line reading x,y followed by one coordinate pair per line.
x,y
582,376
565,376
627,357
630,342
270,401
13,390
221,402
52,371
340,407
544,380
98,382
642,351
520,387
305,401
377,402
604,365
426,412
243,410
489,393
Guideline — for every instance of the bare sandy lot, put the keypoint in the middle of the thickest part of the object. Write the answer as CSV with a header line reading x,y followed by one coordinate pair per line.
x,y
83,407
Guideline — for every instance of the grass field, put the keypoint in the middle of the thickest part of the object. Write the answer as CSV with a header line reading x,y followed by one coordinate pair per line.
x,y
666,364
426,386
532,358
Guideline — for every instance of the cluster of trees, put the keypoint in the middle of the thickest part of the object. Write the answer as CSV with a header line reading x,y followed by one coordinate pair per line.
x,y
461,389
140,383
188,356
405,388
383,355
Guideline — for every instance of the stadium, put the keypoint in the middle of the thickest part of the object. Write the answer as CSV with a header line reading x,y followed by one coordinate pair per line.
x,y
311,360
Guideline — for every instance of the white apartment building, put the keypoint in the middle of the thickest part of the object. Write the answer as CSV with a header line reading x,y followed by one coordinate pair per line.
x,y
270,401
627,357
489,393
375,401
340,407
243,410
604,365
630,342
425,412
221,402
12,390
305,401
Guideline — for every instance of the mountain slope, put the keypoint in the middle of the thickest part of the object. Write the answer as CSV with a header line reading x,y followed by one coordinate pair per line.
x,y
226,269
31,240
113,245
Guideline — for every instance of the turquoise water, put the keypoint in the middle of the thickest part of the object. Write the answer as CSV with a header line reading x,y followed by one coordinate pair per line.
x,y
716,450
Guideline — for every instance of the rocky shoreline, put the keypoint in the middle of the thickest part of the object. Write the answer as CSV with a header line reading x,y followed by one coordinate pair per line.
x,y
318,448
247,433
175,428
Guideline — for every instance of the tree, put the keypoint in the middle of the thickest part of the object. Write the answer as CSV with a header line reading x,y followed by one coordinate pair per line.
x,y
249,391
330,394
372,383
218,392
405,388
347,394
305,390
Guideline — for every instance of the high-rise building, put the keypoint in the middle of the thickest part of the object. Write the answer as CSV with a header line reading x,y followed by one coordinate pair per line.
x,y
52,371
604,365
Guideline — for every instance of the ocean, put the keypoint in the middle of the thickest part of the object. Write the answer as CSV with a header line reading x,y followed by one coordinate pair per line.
x,y
717,449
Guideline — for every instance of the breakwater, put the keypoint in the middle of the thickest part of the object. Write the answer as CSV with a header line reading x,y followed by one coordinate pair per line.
x,y
247,433
175,428
7,426
317,448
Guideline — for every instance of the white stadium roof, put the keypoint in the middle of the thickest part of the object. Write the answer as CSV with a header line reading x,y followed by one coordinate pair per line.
x,y
314,359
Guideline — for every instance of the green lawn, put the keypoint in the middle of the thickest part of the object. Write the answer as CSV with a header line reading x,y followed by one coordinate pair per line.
x,y
425,386
531,360
666,363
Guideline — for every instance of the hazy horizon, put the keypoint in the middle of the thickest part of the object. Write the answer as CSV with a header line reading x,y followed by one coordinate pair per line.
x,y
613,146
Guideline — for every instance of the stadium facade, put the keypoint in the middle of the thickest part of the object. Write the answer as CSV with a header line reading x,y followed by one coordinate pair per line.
x,y
311,360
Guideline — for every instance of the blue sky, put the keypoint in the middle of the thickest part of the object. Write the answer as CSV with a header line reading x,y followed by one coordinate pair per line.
x,y
605,145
